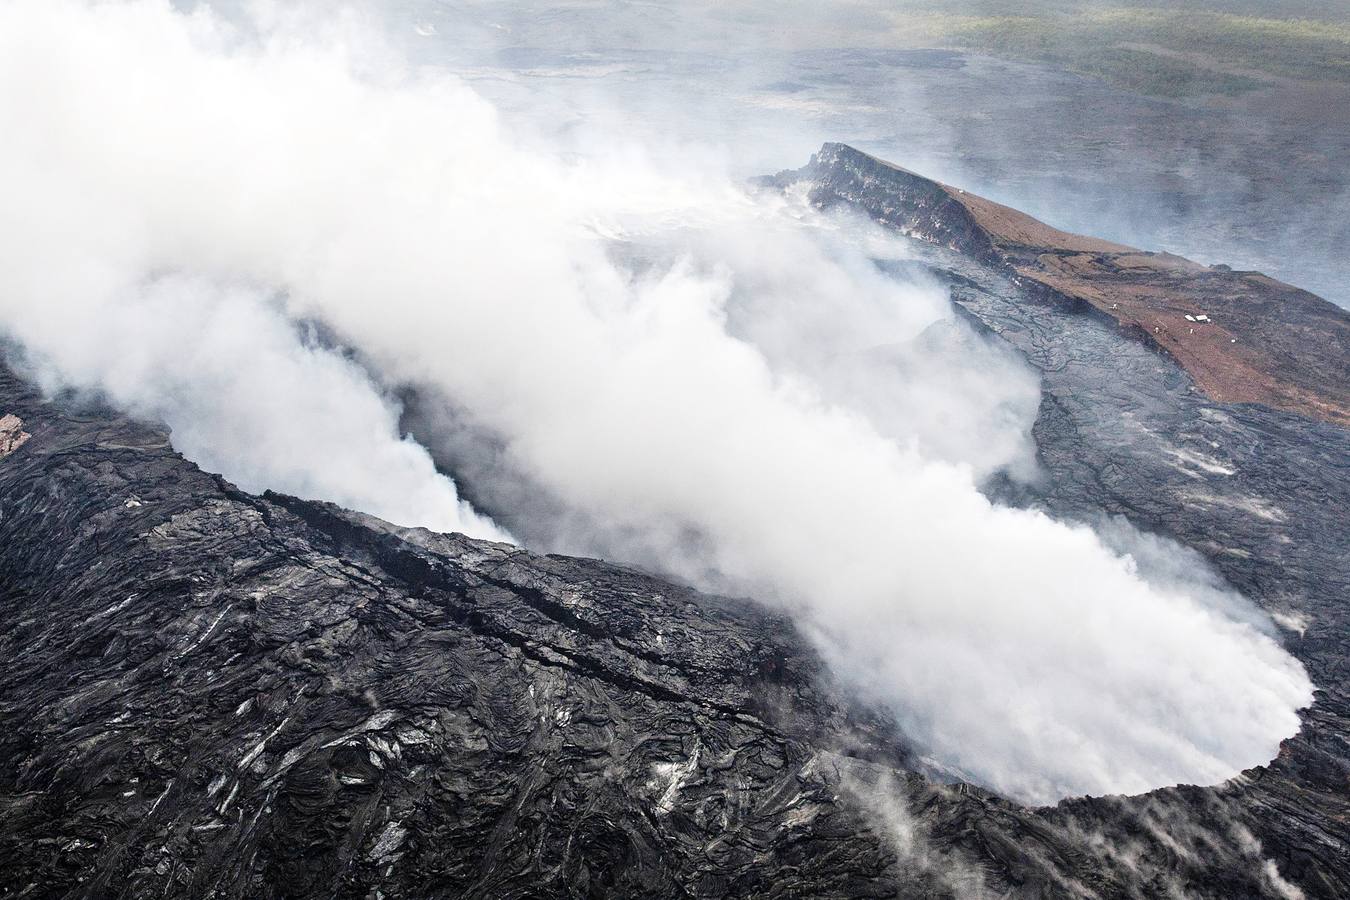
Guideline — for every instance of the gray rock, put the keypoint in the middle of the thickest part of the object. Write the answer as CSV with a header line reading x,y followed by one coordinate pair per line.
x,y
206,693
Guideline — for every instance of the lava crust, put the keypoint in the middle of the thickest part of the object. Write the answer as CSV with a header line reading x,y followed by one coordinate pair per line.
x,y
207,693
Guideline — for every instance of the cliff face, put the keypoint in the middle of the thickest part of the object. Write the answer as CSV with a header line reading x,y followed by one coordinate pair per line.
x,y
1259,486
206,693
1243,337
209,693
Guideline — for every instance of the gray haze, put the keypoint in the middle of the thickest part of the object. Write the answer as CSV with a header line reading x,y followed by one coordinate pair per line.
x,y
1259,180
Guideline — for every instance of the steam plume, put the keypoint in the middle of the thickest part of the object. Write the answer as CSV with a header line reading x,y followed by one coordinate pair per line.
x,y
631,335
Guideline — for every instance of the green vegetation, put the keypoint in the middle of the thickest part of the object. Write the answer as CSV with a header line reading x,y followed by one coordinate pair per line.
x,y
1164,52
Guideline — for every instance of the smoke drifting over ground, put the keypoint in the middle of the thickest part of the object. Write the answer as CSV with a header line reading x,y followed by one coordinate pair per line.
x,y
244,390
674,362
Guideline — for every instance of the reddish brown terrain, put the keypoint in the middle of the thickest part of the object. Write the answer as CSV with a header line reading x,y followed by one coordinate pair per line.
x,y
1260,341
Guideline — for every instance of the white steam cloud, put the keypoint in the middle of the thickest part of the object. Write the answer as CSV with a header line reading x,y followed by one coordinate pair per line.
x,y
660,352
243,390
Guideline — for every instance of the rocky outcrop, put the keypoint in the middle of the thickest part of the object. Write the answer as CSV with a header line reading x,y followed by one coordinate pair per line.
x,y
207,693
12,434
1243,337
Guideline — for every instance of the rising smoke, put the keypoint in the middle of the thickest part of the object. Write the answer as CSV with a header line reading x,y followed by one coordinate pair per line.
x,y
674,361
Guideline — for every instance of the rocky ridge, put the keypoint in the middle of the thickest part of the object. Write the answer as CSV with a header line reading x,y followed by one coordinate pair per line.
x,y
207,693
1243,337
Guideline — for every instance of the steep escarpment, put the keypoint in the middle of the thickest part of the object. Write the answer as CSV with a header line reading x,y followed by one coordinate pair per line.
x,y
1243,337
209,693
205,692
1256,483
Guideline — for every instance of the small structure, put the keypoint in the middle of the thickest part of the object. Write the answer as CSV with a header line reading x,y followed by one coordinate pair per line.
x,y
1190,318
